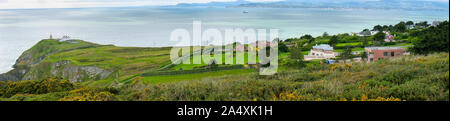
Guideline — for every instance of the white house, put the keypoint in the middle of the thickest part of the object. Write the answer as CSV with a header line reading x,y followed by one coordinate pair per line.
x,y
389,37
366,33
322,51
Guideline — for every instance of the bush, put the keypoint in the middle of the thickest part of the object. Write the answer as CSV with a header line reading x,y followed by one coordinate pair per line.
x,y
389,43
90,94
399,75
35,87
283,48
433,39
415,91
201,69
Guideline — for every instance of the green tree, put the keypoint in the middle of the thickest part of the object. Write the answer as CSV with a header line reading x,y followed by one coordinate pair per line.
x,y
422,24
364,56
307,37
400,27
365,42
296,57
292,40
433,39
325,35
311,40
333,41
378,38
390,28
282,48
347,54
409,23
378,28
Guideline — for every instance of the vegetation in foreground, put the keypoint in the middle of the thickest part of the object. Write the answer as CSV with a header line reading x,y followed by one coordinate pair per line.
x,y
412,78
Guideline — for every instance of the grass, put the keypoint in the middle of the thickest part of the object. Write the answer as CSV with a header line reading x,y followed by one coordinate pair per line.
x,y
49,46
313,62
130,60
349,44
401,45
192,66
353,50
195,76
322,40
362,49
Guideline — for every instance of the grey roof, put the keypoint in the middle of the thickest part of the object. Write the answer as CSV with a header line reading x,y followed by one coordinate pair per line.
x,y
323,47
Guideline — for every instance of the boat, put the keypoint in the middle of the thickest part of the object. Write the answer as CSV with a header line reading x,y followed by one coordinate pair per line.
x,y
244,11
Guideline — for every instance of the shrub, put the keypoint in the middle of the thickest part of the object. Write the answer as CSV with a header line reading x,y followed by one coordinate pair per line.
x,y
90,94
36,87
399,75
415,91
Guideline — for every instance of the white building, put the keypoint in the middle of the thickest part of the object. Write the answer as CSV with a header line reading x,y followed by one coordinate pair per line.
x,y
389,37
367,33
322,51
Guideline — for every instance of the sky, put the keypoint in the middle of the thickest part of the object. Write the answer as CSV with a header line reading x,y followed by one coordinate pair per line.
x,y
18,4
14,4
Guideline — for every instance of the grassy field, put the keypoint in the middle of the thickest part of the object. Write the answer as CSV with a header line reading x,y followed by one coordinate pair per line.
x,y
192,66
49,46
349,44
129,60
195,76
353,50
401,45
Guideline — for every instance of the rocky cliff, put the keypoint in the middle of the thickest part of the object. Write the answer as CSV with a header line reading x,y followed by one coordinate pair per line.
x,y
66,70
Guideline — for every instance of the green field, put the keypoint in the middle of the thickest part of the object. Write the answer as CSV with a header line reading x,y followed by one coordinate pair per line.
x,y
349,44
353,50
401,45
195,76
192,66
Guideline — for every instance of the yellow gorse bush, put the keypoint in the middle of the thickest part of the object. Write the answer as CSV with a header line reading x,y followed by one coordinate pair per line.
x,y
89,94
289,96
366,98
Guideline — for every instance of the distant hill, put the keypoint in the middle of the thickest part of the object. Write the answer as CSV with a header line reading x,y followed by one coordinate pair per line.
x,y
382,4
356,4
214,4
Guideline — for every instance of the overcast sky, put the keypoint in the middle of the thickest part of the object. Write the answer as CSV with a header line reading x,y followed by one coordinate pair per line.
x,y
14,4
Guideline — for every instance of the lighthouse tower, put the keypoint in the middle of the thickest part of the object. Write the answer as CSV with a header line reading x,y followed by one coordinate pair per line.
x,y
51,36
